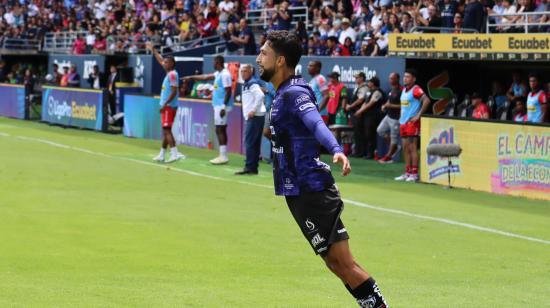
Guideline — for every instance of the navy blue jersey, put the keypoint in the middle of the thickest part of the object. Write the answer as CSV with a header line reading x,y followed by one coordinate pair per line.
x,y
297,132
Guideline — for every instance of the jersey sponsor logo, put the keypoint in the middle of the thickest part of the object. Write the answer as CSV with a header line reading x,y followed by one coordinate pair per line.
x,y
302,99
343,230
310,225
317,240
278,150
322,249
307,106
405,103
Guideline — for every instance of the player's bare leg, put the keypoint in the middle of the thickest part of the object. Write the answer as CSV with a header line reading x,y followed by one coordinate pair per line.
x,y
221,133
169,140
407,154
363,287
414,159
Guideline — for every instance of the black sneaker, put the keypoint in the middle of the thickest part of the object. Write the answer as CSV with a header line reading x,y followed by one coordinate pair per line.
x,y
247,172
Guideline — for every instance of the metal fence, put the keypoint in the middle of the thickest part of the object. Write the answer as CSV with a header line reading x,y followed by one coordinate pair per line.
x,y
259,19
18,45
441,30
61,42
527,22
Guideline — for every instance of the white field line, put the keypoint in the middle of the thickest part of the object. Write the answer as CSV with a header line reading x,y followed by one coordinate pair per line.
x,y
348,201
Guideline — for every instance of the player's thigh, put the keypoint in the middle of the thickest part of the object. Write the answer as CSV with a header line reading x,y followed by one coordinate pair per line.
x,y
340,253
383,127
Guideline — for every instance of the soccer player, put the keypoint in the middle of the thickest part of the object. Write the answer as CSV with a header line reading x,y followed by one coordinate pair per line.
x,y
222,101
414,104
168,106
299,175
536,101
318,84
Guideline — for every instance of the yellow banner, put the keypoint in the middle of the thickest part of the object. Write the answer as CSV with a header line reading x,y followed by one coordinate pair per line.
x,y
508,159
474,43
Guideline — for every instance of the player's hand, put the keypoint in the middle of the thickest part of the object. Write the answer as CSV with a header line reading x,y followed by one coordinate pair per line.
x,y
340,158
415,119
149,45
251,114
384,107
267,133
222,113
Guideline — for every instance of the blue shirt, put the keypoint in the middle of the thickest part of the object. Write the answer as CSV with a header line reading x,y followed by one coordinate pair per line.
x,y
222,80
297,132
319,84
170,80
410,103
534,102
270,95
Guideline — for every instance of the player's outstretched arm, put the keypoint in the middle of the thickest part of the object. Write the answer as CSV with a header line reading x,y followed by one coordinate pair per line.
x,y
202,77
306,110
149,46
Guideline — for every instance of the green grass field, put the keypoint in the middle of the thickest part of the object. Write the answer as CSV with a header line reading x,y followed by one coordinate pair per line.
x,y
87,220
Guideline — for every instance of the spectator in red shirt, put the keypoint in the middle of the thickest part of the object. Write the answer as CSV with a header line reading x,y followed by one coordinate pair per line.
x,y
100,44
79,46
481,110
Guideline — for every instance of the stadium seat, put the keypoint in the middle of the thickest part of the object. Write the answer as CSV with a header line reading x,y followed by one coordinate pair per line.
x,y
450,110
503,113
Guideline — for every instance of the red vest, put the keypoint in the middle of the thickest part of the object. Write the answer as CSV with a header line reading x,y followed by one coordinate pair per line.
x,y
334,97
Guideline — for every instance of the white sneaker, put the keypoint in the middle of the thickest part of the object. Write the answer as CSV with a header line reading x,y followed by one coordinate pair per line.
x,y
176,157
402,177
412,178
159,158
219,160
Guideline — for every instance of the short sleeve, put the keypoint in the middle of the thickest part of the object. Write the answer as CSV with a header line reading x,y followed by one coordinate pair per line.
x,y
362,93
418,92
344,92
173,79
323,86
542,98
226,80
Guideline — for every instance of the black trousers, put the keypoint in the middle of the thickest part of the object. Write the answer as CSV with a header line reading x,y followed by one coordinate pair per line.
x,y
359,135
370,125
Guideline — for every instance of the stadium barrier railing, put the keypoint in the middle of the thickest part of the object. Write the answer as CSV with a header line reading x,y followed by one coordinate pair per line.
x,y
525,23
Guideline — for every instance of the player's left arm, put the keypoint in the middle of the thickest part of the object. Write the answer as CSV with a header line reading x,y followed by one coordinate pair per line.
x,y
425,103
543,106
304,108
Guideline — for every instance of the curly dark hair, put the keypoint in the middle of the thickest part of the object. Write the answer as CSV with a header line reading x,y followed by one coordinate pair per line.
x,y
286,44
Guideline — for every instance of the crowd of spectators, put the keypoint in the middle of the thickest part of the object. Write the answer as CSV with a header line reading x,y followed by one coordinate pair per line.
x,y
348,27
337,27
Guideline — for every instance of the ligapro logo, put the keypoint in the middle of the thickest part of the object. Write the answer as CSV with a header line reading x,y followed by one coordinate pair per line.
x,y
347,74
57,109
